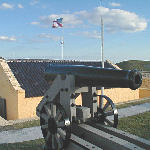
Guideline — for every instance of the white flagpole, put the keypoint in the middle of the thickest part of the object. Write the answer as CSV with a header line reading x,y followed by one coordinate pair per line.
x,y
62,48
102,52
61,41
62,44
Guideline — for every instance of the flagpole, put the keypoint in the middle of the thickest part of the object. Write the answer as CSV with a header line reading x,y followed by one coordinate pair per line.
x,y
62,45
59,24
102,52
62,48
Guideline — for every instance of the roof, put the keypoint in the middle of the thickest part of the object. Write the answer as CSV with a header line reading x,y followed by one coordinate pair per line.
x,y
30,73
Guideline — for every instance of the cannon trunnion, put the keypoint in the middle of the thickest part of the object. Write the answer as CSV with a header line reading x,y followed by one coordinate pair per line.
x,y
58,111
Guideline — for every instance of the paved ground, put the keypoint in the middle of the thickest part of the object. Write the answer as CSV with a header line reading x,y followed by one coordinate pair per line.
x,y
133,110
26,134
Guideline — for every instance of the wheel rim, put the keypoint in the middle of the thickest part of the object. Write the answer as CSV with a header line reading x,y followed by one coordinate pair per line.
x,y
55,126
102,115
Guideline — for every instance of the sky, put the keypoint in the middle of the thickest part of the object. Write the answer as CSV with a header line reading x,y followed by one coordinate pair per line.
x,y
26,29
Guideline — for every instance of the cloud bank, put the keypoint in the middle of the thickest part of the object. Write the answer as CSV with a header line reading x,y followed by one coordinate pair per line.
x,y
115,20
49,36
93,34
6,38
34,2
20,6
114,4
34,23
6,6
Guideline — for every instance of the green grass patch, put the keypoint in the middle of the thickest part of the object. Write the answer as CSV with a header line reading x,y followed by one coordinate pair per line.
x,y
26,124
138,125
134,64
138,102
131,103
27,145
34,123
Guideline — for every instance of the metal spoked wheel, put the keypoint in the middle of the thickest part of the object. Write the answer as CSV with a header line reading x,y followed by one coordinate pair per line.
x,y
55,126
107,114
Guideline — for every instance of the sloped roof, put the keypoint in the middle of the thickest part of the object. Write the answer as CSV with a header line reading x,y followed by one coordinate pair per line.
x,y
30,73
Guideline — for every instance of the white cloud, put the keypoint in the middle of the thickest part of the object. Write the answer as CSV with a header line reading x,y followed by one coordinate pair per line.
x,y
6,38
20,6
9,6
34,23
115,4
114,19
43,38
34,2
69,20
49,36
93,34
6,6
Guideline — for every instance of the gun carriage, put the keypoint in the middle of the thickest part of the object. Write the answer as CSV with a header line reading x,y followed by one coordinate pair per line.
x,y
58,112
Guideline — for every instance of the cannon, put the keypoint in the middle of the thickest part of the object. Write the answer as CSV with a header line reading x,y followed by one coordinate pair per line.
x,y
58,111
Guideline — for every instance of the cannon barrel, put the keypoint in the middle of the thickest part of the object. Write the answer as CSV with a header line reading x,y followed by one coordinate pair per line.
x,y
96,76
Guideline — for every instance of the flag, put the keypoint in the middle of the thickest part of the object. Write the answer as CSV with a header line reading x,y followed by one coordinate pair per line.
x,y
62,42
57,23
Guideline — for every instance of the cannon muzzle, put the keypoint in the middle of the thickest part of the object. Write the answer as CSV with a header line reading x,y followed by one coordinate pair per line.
x,y
96,76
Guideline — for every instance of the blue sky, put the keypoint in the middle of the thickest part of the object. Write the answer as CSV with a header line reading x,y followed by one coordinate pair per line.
x,y
26,32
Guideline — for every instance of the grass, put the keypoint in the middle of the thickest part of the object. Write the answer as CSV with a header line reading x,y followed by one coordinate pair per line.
x,y
138,125
26,124
34,123
27,145
132,103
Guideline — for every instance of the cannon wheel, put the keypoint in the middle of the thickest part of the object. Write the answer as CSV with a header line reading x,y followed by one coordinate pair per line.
x,y
55,126
102,113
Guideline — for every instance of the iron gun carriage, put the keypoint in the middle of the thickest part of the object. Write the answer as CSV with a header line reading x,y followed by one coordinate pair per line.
x,y
58,111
